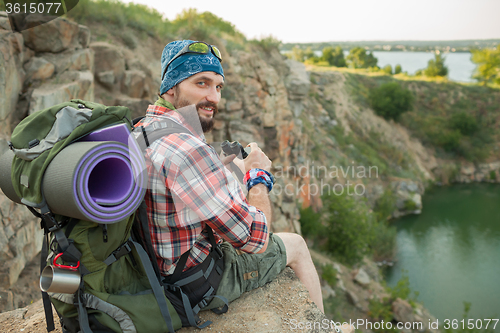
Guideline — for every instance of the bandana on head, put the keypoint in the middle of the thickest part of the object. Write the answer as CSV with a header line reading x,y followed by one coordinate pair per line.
x,y
186,65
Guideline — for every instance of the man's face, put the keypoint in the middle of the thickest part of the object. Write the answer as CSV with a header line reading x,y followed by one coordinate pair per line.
x,y
204,91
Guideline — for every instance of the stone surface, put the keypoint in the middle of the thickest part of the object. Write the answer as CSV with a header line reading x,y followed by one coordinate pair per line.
x,y
53,36
276,307
20,240
136,105
352,298
327,291
83,36
79,60
11,76
402,310
5,23
73,84
108,57
362,277
133,84
106,78
38,69
297,82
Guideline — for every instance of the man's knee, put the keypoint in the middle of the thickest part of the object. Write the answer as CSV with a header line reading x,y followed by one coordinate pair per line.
x,y
296,247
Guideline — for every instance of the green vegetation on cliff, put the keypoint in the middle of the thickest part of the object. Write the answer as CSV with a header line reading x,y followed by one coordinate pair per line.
x,y
458,120
189,24
488,61
346,228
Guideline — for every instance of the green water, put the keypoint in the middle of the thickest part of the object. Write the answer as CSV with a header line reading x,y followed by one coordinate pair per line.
x,y
451,252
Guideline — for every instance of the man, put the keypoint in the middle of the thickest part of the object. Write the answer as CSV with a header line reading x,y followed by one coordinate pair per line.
x,y
190,188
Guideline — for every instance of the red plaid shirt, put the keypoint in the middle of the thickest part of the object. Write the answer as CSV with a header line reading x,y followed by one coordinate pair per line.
x,y
188,188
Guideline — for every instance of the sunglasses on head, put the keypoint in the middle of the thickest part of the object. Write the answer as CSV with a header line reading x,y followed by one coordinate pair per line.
x,y
195,47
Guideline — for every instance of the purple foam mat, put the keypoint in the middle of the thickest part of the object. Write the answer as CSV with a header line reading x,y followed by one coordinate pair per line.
x,y
117,133
121,133
95,181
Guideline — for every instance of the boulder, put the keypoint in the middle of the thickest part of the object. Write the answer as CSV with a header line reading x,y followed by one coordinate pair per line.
x,y
402,311
20,240
136,105
83,36
245,132
362,277
38,69
5,23
106,78
298,81
327,291
352,298
78,60
408,197
278,306
108,57
11,76
133,83
72,84
53,36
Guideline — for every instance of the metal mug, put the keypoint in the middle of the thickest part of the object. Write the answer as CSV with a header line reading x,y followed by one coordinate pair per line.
x,y
59,278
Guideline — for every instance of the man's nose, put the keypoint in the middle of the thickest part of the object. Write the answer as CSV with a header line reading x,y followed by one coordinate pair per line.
x,y
213,96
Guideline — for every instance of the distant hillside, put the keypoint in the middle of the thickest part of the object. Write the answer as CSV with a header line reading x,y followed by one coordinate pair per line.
x,y
407,45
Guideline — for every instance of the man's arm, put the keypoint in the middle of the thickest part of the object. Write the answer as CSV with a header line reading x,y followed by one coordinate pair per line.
x,y
258,196
199,181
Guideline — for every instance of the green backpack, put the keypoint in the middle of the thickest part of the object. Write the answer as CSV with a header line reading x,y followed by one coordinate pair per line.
x,y
120,289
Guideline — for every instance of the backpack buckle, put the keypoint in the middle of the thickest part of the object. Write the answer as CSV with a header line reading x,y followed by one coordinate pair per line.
x,y
219,251
50,222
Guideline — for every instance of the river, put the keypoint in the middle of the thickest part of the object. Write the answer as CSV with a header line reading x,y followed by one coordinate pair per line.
x,y
451,252
460,67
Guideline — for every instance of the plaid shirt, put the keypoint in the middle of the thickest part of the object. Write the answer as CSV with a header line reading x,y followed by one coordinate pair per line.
x,y
188,188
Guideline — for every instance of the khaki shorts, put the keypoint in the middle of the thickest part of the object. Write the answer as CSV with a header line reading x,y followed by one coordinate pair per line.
x,y
244,272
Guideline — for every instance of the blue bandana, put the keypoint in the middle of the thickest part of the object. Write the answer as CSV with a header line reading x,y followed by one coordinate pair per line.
x,y
186,65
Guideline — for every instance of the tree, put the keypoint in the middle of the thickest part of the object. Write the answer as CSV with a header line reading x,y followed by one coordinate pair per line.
x,y
297,54
303,55
358,58
388,69
390,100
333,56
488,61
348,227
397,69
436,67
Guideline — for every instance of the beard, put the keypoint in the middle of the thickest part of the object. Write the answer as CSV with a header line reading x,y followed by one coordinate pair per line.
x,y
207,124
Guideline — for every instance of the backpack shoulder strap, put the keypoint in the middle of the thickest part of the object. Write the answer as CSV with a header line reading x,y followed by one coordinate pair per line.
x,y
150,133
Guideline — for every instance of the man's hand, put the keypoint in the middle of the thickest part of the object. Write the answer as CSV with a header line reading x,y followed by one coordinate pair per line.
x,y
256,159
226,160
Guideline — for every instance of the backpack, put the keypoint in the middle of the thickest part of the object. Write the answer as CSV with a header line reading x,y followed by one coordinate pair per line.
x,y
76,166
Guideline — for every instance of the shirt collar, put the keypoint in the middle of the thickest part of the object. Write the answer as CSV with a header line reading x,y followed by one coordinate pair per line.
x,y
163,108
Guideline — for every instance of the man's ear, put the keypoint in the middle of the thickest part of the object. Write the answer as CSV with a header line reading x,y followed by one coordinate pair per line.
x,y
170,92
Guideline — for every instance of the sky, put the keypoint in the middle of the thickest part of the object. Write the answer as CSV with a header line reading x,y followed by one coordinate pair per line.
x,y
350,20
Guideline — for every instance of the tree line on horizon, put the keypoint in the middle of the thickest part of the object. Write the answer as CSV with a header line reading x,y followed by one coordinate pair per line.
x,y
487,61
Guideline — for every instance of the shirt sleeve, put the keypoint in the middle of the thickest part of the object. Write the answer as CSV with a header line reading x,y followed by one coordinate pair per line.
x,y
204,185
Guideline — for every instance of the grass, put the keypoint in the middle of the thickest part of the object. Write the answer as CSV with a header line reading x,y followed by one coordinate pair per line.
x,y
146,21
439,107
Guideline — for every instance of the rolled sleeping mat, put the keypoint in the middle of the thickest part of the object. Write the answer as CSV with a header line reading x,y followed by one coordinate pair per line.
x,y
5,176
94,181
121,133
118,133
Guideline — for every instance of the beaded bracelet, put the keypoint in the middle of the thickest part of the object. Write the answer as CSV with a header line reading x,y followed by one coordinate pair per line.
x,y
258,176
